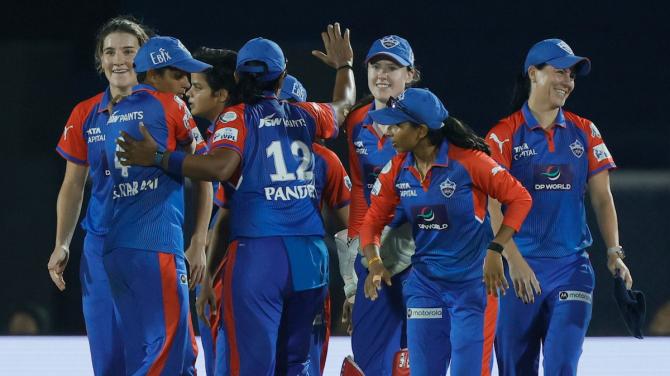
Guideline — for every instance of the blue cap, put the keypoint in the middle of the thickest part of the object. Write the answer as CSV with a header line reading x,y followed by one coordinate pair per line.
x,y
159,52
393,46
558,54
292,89
265,51
419,106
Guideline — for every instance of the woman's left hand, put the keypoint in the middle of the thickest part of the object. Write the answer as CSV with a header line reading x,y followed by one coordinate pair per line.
x,y
617,267
136,152
494,275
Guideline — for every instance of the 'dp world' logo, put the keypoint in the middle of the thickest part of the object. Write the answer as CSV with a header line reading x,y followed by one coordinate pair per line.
x,y
430,218
552,177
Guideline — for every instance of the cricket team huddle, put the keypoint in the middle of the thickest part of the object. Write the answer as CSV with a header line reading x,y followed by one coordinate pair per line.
x,y
452,245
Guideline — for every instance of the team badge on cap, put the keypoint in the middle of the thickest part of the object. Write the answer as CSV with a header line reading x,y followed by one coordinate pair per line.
x,y
390,41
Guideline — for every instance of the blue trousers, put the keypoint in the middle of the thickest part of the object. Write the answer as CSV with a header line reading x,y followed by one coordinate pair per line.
x,y
379,326
102,327
558,319
150,291
267,323
445,326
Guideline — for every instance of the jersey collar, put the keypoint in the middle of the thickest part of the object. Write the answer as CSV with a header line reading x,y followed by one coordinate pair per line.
x,y
532,123
441,159
104,102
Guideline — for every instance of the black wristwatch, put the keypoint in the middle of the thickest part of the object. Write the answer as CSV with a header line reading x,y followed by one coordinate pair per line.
x,y
496,247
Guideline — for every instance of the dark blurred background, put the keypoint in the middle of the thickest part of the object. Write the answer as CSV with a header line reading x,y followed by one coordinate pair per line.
x,y
469,54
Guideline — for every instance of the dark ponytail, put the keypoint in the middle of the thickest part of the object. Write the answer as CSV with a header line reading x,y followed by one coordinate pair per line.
x,y
459,134
251,89
521,90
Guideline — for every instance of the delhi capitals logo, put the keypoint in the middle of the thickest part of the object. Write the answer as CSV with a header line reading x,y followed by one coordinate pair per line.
x,y
426,214
564,46
552,173
390,41
577,148
448,188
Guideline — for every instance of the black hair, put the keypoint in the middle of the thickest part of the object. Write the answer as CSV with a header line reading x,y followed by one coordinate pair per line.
x,y
121,24
521,90
251,89
457,133
222,73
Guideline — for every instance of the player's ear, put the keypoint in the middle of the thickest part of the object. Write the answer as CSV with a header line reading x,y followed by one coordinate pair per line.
x,y
222,95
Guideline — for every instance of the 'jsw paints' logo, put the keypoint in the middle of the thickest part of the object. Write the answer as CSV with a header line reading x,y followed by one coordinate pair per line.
x,y
160,57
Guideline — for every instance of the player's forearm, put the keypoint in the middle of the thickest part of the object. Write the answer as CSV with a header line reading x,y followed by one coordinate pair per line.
x,y
68,207
218,242
344,93
208,167
607,220
203,199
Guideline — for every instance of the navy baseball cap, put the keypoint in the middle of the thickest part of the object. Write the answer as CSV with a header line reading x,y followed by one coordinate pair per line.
x,y
292,89
265,51
159,52
558,54
632,307
393,46
419,106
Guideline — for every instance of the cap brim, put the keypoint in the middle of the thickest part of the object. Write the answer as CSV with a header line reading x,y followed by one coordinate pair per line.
x,y
394,57
190,65
582,65
390,116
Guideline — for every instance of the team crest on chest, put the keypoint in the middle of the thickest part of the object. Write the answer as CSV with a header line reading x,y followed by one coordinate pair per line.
x,y
577,148
447,188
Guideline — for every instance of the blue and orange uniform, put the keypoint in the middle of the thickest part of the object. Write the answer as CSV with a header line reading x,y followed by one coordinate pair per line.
x,y
144,249
277,264
447,209
445,298
555,167
82,142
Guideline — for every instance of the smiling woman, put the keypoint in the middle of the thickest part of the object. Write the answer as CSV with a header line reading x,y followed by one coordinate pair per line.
x,y
82,144
558,156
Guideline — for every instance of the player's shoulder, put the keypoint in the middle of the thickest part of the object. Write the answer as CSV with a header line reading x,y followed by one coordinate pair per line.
x,y
467,157
357,114
231,114
87,105
508,125
579,121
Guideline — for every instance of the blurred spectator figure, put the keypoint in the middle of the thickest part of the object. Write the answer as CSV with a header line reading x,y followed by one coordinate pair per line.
x,y
660,323
28,319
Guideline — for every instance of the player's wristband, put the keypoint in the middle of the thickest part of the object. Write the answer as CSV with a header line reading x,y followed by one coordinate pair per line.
x,y
496,247
158,158
374,260
345,66
175,162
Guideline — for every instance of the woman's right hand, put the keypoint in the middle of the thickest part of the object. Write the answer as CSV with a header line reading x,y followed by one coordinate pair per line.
x,y
347,313
373,283
57,263
338,47
526,285
205,298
